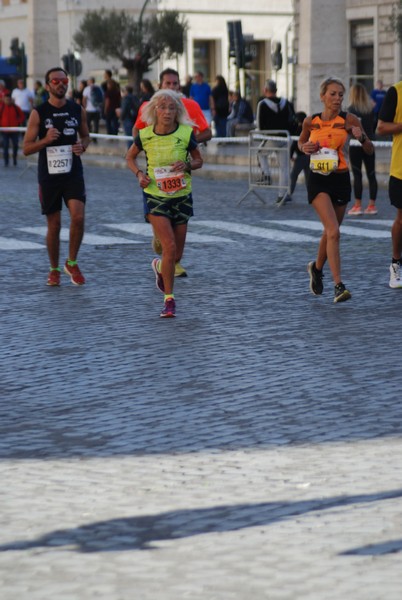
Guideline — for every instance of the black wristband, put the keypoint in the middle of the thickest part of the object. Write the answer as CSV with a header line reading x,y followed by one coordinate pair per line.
x,y
363,138
139,171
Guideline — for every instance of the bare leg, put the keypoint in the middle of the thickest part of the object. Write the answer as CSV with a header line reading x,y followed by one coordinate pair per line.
x,y
53,238
180,232
163,230
331,217
77,215
396,233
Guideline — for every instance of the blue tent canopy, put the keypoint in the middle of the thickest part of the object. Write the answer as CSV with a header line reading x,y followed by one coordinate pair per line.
x,y
6,68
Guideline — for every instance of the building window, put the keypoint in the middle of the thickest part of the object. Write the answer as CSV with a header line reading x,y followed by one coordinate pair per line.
x,y
362,53
204,58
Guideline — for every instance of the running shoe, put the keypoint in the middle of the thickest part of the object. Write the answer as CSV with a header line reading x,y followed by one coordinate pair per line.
x,y
53,278
316,277
355,211
341,293
179,271
169,309
158,277
395,280
77,278
371,210
156,246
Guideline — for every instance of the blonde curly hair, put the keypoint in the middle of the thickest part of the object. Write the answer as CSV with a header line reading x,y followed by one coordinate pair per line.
x,y
149,113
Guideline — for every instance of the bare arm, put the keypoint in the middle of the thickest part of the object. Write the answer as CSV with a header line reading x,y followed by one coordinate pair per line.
x,y
131,157
304,144
80,146
387,128
31,144
354,126
203,136
190,165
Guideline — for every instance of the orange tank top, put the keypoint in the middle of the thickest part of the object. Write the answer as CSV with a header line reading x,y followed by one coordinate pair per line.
x,y
331,134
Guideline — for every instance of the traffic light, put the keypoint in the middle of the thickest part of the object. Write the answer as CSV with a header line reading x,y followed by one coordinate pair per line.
x,y
276,56
236,43
72,65
18,57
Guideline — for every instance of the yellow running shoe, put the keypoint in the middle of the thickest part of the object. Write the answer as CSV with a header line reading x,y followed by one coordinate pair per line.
x,y
179,271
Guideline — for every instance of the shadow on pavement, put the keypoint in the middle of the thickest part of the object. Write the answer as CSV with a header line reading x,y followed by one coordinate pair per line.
x,y
140,533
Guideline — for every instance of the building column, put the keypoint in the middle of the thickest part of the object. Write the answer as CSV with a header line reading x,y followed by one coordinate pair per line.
x,y
322,51
42,39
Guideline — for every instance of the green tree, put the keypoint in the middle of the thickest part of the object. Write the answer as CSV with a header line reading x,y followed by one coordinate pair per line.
x,y
396,19
135,43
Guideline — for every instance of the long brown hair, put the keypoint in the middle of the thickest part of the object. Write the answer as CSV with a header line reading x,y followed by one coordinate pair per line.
x,y
359,99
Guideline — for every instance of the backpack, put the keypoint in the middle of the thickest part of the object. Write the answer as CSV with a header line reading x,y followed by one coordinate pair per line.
x,y
96,96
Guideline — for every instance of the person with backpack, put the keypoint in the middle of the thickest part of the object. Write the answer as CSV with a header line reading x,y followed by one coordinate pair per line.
x,y
92,101
128,111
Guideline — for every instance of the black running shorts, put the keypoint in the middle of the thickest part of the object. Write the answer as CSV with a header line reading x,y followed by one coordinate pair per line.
x,y
52,193
395,191
336,185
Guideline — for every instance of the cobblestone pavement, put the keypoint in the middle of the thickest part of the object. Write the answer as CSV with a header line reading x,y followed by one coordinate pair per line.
x,y
250,448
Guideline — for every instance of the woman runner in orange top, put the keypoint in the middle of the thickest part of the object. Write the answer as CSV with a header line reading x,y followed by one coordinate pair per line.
x,y
323,138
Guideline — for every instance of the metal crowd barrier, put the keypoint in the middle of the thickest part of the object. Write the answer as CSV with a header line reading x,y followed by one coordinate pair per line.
x,y
269,163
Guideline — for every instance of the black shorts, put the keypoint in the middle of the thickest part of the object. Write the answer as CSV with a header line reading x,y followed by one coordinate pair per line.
x,y
336,185
178,210
52,193
395,191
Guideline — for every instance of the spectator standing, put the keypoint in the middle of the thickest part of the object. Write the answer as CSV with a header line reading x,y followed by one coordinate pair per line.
x,y
200,91
390,123
23,97
78,94
240,113
147,90
92,101
377,95
220,110
129,111
3,90
40,94
301,160
274,112
361,105
10,116
185,89
112,102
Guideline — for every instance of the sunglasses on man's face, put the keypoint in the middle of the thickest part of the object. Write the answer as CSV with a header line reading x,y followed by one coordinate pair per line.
x,y
56,81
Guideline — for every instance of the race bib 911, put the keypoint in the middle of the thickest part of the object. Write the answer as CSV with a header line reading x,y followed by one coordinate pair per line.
x,y
325,161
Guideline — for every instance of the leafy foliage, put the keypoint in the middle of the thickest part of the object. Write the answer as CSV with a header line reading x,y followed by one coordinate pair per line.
x,y
116,34
396,20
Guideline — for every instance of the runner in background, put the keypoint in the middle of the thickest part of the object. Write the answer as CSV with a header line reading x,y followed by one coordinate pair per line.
x,y
58,130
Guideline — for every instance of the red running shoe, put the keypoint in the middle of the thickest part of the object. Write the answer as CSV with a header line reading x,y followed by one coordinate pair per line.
x,y
169,310
53,278
77,278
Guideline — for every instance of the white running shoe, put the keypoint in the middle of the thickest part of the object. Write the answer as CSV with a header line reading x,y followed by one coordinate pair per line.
x,y
395,280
